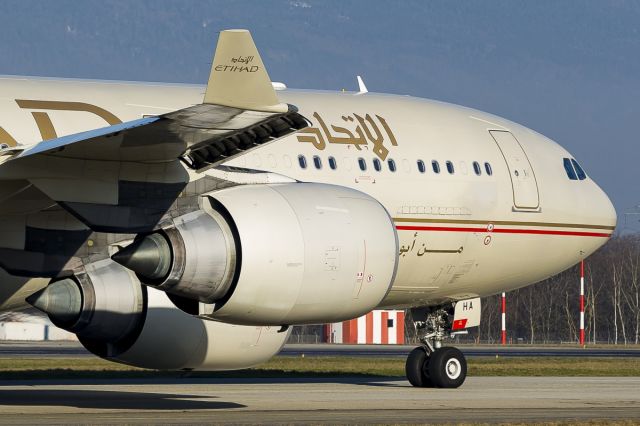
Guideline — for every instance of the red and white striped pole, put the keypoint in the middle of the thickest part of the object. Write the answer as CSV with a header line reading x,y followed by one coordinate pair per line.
x,y
582,302
504,318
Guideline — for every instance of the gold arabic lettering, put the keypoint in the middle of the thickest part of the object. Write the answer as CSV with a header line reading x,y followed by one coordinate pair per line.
x,y
366,131
6,138
422,250
43,121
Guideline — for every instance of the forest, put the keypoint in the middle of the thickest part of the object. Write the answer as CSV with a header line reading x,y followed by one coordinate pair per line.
x,y
548,312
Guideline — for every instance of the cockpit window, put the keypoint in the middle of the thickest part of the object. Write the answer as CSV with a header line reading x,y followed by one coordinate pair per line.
x,y
569,169
581,174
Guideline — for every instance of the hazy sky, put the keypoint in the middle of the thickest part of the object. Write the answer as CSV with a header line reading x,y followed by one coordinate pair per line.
x,y
568,69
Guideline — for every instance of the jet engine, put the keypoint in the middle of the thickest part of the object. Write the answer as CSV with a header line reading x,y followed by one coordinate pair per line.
x,y
275,254
117,318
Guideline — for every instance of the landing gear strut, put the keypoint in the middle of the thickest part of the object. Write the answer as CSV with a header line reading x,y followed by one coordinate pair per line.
x,y
432,365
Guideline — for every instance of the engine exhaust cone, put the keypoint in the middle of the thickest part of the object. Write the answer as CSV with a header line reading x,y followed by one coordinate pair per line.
x,y
61,300
149,257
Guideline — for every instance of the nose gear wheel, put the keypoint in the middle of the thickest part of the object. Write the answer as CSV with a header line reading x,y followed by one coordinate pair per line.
x,y
432,365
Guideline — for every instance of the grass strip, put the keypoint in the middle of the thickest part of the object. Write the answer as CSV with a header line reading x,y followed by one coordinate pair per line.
x,y
319,366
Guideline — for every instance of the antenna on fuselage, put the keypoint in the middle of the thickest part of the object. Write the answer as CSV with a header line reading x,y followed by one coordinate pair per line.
x,y
362,89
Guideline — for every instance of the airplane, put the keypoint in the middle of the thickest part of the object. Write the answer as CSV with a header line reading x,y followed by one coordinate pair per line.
x,y
182,227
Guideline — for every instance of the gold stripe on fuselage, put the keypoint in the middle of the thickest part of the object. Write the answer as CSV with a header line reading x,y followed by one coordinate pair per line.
x,y
503,222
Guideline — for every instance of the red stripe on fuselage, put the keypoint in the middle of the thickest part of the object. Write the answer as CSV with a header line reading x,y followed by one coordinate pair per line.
x,y
502,231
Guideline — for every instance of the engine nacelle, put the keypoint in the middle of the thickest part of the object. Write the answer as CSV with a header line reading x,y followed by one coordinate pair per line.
x,y
117,318
273,255
171,339
194,258
105,303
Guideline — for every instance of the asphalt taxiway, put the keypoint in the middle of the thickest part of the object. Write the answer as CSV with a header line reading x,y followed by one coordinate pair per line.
x,y
52,349
319,400
277,401
469,350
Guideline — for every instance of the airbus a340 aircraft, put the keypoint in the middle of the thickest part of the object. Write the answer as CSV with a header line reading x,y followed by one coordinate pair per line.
x,y
181,227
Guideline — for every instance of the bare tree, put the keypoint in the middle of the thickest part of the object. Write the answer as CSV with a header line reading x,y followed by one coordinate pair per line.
x,y
632,297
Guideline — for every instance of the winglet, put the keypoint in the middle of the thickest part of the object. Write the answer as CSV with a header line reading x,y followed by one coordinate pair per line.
x,y
238,77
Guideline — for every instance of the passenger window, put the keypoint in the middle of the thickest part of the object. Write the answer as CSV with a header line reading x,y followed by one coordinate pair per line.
x,y
392,165
421,166
569,169
435,166
450,167
581,174
377,165
332,163
476,168
362,164
302,161
406,166
317,162
488,169
346,163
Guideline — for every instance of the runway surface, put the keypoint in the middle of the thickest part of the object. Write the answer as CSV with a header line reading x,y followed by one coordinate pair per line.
x,y
469,351
271,401
74,349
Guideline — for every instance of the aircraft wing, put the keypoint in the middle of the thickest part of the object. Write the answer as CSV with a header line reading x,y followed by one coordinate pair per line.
x,y
124,177
202,135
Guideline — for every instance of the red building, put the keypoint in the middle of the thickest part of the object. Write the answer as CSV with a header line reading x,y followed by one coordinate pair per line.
x,y
376,327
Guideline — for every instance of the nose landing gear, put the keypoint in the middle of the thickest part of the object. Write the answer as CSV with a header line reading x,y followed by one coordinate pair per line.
x,y
432,365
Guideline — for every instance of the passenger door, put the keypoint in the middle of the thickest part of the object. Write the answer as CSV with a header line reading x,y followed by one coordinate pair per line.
x,y
523,179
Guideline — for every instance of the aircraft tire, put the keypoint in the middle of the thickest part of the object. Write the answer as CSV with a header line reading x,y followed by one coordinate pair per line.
x,y
416,368
447,368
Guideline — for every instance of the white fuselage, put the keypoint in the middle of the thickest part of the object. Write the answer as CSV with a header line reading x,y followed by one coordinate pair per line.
x,y
461,234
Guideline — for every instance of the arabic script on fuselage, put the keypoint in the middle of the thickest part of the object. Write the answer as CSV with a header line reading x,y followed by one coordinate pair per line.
x,y
366,131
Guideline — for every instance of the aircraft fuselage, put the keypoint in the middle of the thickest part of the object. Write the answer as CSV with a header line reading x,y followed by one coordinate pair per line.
x,y
480,204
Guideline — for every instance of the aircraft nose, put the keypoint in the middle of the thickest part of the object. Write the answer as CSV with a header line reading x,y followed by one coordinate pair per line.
x,y
600,212
604,209
592,208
